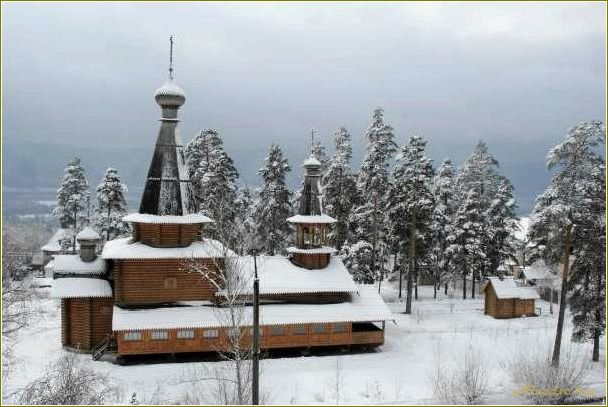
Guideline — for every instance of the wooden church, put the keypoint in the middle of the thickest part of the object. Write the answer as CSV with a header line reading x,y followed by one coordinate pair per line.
x,y
140,295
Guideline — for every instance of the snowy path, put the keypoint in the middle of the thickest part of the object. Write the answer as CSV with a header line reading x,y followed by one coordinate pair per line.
x,y
398,373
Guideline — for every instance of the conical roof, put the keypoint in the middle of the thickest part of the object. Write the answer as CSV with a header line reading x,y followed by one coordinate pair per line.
x,y
168,190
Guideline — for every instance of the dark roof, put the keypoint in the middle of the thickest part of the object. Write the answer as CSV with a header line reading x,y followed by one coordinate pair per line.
x,y
310,200
168,190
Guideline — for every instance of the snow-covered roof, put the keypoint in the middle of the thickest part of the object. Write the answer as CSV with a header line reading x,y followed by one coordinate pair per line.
x,y
73,264
69,287
53,243
365,306
88,234
50,265
278,275
125,248
318,250
167,219
506,288
311,219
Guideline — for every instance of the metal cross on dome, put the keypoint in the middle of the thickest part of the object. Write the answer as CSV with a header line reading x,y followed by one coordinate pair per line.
x,y
312,138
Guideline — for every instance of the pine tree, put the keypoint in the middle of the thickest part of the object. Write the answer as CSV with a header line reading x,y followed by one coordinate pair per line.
x,y
72,197
111,206
480,172
318,151
566,221
410,204
465,243
339,188
373,186
441,224
245,223
274,205
214,180
358,261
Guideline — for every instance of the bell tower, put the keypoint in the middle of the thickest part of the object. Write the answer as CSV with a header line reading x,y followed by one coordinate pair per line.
x,y
311,223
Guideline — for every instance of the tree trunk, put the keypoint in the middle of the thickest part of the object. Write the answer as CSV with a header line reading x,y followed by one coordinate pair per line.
x,y
562,298
597,331
108,230
410,272
435,289
473,285
400,277
446,288
464,282
415,278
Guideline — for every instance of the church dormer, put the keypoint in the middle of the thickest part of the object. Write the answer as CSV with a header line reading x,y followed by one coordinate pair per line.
x,y
311,223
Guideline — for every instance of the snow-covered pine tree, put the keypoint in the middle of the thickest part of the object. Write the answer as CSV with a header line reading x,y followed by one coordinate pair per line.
x,y
410,205
245,223
441,224
273,233
214,180
502,221
72,197
562,225
339,188
373,185
111,206
480,172
358,261
318,151
465,243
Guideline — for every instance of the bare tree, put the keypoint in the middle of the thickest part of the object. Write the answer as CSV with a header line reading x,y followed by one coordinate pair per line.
x,y
68,381
465,381
231,280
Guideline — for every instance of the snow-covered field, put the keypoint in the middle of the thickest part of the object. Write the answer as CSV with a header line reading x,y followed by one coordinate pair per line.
x,y
397,373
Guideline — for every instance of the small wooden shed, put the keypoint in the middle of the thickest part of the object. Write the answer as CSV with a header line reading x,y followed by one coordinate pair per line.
x,y
505,299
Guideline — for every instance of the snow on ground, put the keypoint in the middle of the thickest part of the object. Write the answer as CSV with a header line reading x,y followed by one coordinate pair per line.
x,y
398,373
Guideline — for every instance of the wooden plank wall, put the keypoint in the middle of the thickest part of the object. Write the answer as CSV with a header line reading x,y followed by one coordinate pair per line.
x,y
291,338
79,323
311,261
162,280
167,235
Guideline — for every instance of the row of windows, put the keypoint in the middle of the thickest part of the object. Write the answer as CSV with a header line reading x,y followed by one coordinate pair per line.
x,y
275,330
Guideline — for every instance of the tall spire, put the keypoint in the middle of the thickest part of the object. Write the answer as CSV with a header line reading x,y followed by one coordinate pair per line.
x,y
168,190
312,139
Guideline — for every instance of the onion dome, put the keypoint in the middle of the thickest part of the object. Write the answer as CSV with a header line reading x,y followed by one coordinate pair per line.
x,y
170,95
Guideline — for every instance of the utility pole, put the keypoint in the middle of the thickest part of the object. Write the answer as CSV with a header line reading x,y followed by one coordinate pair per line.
x,y
255,380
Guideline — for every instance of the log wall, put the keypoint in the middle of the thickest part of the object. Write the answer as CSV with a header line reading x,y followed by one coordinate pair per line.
x,y
85,322
167,235
311,261
277,337
506,308
162,280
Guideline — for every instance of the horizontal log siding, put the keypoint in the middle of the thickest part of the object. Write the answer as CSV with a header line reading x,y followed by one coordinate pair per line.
x,y
101,319
145,281
290,339
506,308
166,235
78,323
311,261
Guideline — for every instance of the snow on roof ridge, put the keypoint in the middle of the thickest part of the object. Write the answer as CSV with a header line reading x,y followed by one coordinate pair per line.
x,y
126,248
167,219
73,264
88,234
506,288
53,244
80,287
323,218
317,250
311,161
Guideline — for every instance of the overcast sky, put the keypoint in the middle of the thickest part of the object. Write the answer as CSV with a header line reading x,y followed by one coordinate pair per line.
x,y
516,75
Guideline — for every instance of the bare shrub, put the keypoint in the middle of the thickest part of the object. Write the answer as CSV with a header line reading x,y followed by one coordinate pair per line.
x,y
68,381
462,381
543,383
